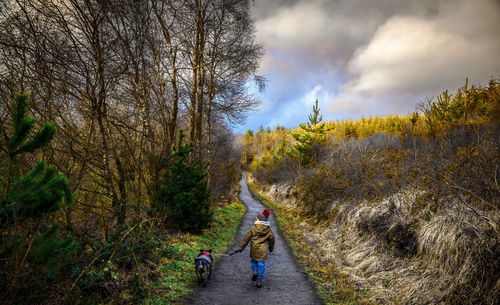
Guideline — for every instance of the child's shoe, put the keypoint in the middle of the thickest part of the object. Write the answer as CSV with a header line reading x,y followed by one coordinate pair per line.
x,y
259,284
254,277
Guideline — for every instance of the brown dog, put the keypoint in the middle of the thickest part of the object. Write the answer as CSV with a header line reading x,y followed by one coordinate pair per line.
x,y
203,266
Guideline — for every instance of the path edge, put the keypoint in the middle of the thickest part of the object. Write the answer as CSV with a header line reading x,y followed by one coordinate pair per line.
x,y
316,285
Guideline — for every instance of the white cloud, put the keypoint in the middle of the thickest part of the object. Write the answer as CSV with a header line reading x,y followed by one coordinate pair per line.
x,y
294,26
301,107
364,58
317,92
414,55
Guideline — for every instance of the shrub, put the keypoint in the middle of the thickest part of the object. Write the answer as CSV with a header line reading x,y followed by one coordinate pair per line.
x,y
183,196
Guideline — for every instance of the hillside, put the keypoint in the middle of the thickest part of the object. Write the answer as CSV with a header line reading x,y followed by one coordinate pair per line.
x,y
405,208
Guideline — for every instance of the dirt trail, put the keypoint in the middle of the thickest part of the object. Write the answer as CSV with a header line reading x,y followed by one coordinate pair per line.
x,y
284,282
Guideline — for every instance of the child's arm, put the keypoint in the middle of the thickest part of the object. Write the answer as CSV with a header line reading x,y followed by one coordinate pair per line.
x,y
245,240
271,241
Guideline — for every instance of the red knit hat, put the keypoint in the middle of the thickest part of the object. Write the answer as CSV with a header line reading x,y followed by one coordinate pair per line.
x,y
264,215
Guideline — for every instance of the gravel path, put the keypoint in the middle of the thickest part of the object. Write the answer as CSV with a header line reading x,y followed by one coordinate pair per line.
x,y
284,282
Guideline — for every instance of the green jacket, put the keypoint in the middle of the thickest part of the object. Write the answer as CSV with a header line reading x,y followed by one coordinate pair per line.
x,y
262,238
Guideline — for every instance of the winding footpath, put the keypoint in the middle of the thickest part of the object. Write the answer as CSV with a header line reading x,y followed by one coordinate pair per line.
x,y
284,282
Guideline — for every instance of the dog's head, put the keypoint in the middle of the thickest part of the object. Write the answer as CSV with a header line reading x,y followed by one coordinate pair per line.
x,y
200,268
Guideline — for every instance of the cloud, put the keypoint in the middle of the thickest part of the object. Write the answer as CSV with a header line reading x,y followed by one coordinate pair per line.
x,y
300,25
299,108
318,92
371,57
413,57
409,54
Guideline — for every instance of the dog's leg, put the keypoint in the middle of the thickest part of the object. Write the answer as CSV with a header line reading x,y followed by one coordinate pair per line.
x,y
206,274
199,273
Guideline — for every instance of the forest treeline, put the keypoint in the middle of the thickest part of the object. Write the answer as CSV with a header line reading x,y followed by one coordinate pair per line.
x,y
450,139
416,192
117,114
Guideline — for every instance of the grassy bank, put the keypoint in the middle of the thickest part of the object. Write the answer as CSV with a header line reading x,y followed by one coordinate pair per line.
x,y
177,278
332,287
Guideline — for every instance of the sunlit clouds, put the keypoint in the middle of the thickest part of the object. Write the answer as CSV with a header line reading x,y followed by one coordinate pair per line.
x,y
362,59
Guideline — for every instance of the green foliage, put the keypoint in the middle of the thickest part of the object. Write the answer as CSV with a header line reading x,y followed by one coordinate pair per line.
x,y
414,118
312,133
21,122
350,130
39,192
50,251
137,289
41,138
248,133
282,150
468,106
471,107
43,188
279,128
22,125
177,277
183,196
26,202
248,152
314,118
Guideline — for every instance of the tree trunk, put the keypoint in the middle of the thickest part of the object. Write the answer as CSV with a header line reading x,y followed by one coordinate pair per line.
x,y
201,83
192,109
175,98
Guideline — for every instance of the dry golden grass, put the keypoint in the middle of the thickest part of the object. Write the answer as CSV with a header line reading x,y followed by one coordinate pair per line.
x,y
333,286
390,257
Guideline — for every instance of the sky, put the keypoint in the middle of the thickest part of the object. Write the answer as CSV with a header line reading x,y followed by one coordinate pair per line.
x,y
363,58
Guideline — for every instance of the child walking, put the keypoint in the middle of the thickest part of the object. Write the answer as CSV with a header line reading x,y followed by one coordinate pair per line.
x,y
262,242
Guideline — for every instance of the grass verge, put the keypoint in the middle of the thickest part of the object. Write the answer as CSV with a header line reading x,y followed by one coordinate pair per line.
x,y
332,286
177,278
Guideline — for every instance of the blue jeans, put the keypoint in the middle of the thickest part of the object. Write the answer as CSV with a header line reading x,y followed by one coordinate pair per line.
x,y
259,268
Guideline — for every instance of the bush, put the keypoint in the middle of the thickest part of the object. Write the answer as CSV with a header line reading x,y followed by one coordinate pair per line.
x,y
183,196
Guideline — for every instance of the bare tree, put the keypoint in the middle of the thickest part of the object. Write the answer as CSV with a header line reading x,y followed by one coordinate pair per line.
x,y
121,77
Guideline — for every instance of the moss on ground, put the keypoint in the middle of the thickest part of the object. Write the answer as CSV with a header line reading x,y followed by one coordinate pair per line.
x,y
177,277
332,286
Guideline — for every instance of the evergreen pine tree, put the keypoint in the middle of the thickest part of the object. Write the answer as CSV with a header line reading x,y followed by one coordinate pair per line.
x,y
310,134
34,195
183,196
49,251
43,188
